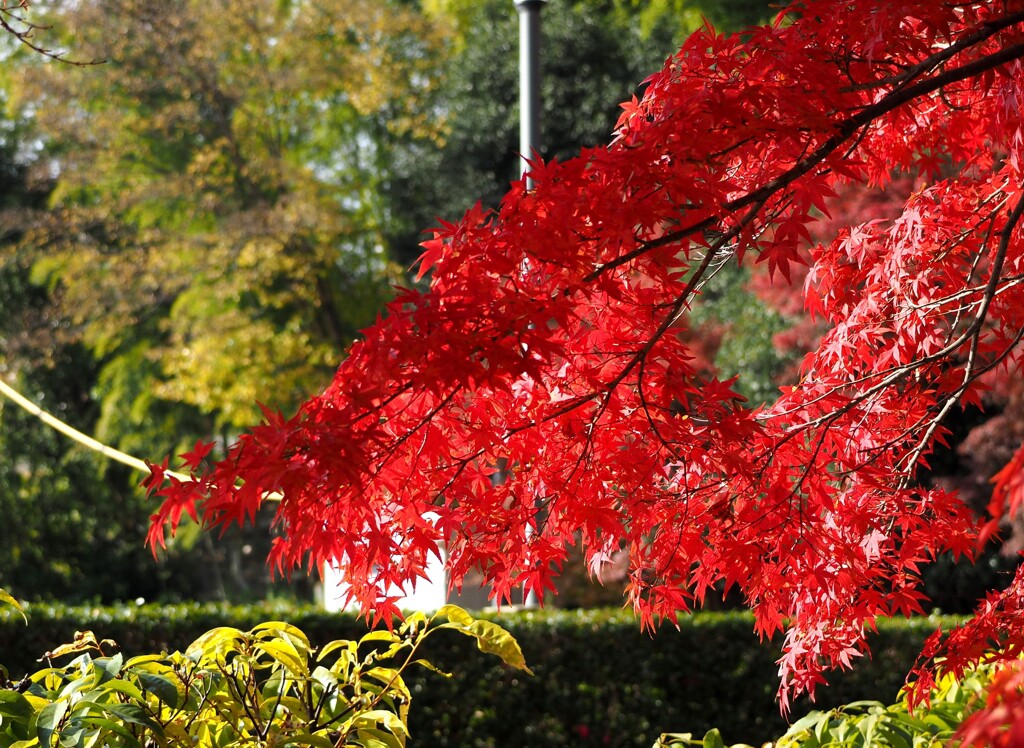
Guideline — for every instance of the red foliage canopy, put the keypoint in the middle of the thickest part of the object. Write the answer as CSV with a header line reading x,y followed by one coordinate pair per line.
x,y
550,343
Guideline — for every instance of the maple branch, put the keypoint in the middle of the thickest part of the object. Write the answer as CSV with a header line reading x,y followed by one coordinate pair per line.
x,y
674,311
843,131
868,114
947,404
645,247
996,270
975,333
393,447
985,31
897,373
655,429
606,390
932,419
1009,282
893,374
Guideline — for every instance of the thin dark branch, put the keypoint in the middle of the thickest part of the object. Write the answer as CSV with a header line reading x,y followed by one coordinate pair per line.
x,y
843,131
9,19
985,31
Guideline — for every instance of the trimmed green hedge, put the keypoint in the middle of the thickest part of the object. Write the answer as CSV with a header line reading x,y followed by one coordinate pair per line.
x,y
599,680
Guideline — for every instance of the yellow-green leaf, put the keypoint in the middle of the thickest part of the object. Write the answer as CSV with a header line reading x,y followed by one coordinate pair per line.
x,y
305,738
282,651
455,614
432,667
220,640
282,630
6,599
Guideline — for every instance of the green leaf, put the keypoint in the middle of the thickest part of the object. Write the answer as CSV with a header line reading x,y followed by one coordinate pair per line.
x,y
432,667
490,637
306,738
821,729
135,715
455,614
898,738
31,743
413,623
808,722
221,640
71,736
373,738
48,720
348,647
868,726
391,721
388,678
120,686
324,677
77,682
282,651
863,705
713,739
299,710
108,667
113,726
169,691
149,659
14,706
282,630
6,599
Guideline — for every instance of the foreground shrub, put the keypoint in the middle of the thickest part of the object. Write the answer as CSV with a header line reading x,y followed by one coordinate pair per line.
x,y
871,724
267,686
600,683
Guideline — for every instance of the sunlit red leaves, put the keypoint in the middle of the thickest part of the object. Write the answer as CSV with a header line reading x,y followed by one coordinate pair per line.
x,y
193,459
1007,493
551,345
178,497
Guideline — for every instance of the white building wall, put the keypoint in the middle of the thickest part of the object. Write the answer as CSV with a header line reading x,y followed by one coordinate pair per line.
x,y
429,595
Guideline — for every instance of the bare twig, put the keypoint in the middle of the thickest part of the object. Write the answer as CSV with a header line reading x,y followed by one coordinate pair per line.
x,y
17,25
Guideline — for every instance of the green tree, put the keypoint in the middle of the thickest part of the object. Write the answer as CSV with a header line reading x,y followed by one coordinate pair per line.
x,y
203,231
593,53
681,16
75,525
213,233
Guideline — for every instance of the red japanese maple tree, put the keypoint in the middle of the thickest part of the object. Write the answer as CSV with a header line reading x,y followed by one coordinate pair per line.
x,y
550,344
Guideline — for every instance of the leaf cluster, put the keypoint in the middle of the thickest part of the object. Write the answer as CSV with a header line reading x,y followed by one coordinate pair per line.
x,y
866,724
266,686
211,233
596,671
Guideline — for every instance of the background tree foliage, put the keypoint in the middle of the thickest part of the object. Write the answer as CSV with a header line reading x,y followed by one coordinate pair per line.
x,y
593,54
212,221
204,228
